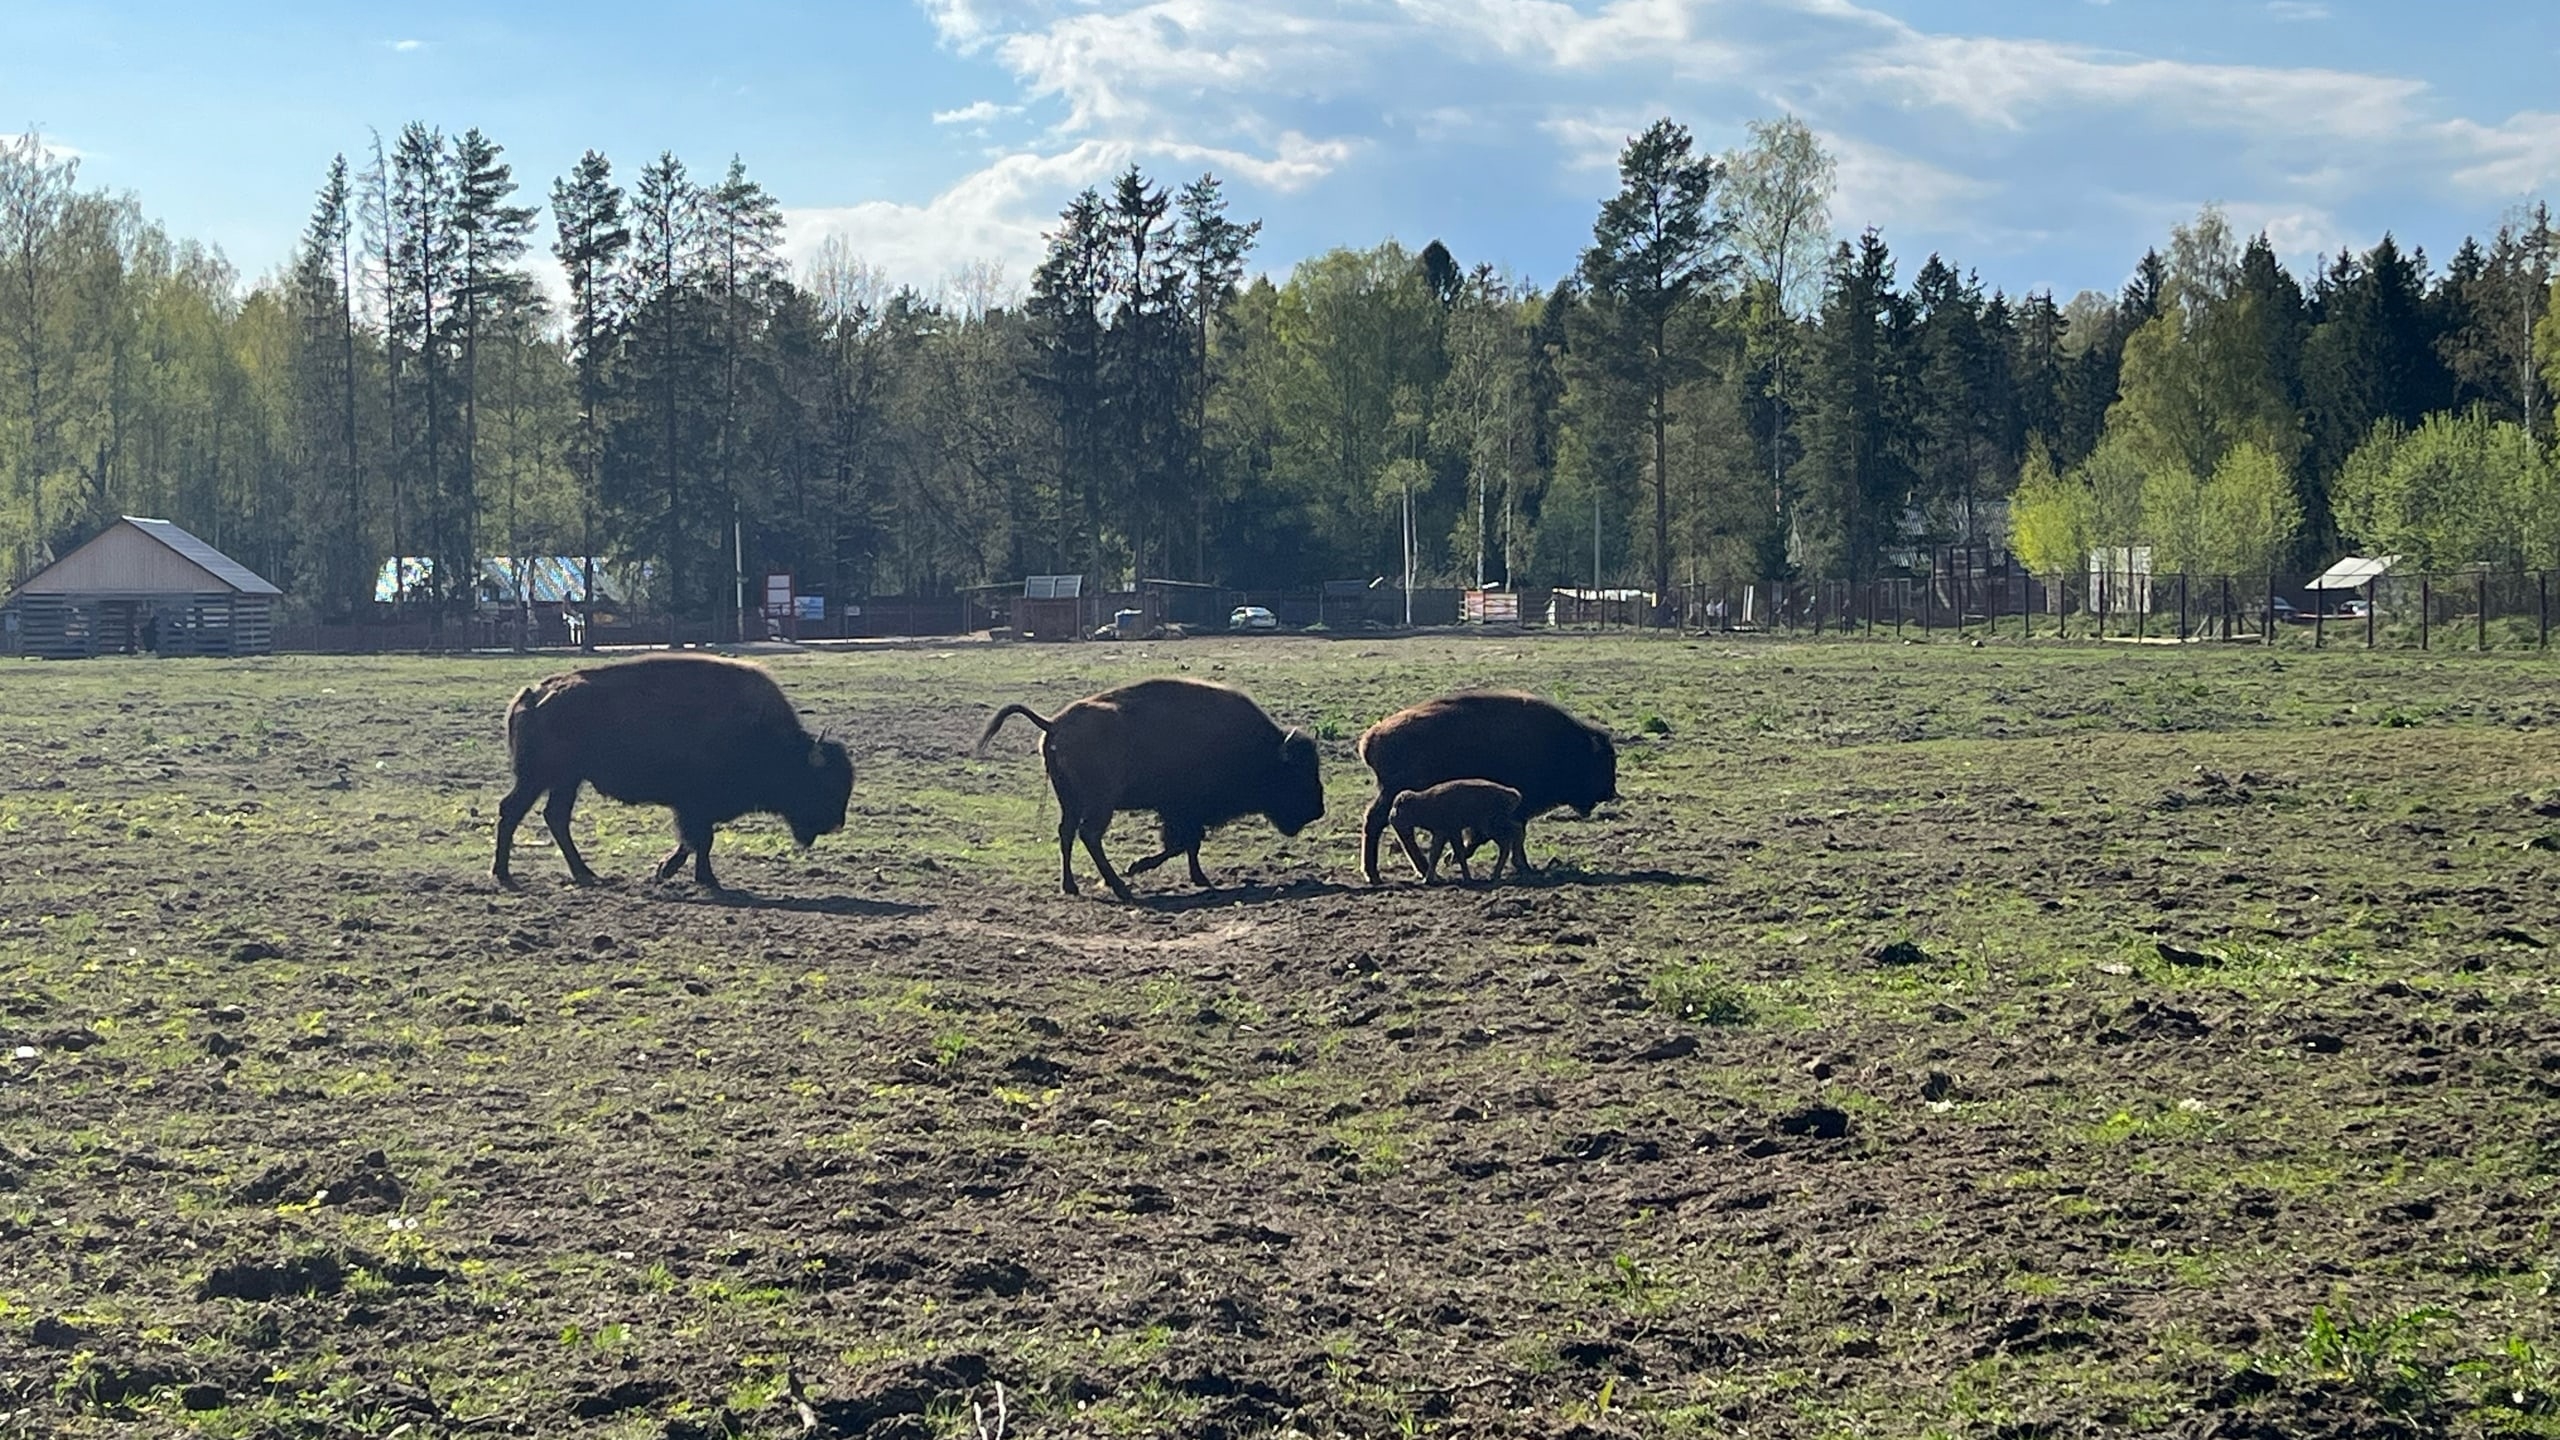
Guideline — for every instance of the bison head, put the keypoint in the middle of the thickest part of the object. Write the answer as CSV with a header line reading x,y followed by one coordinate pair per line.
x,y
819,809
1296,797
1598,777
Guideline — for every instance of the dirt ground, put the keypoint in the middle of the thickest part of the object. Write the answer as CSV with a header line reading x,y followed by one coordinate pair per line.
x,y
1937,1040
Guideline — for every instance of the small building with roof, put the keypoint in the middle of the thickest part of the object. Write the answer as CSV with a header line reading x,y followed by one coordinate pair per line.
x,y
144,584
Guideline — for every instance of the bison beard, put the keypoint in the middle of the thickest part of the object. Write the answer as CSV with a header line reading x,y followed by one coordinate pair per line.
x,y
710,739
1517,740
1196,754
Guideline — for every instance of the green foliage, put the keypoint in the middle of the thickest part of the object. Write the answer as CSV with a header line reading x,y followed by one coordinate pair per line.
x,y
2247,513
2458,490
1695,991
2049,520
2384,1359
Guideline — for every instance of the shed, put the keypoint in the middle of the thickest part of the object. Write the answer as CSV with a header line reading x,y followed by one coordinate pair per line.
x,y
1051,608
144,584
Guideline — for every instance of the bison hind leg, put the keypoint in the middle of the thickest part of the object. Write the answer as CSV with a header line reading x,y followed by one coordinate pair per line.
x,y
555,815
511,813
1091,830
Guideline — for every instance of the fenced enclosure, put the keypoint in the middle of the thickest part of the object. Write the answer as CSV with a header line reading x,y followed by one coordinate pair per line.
x,y
2469,609
2461,610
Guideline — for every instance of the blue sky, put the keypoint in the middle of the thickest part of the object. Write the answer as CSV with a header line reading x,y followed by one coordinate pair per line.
x,y
2043,143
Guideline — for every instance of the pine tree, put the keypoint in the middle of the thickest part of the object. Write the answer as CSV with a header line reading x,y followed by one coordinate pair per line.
x,y
591,247
1211,250
743,237
1069,291
323,280
423,276
1658,248
489,237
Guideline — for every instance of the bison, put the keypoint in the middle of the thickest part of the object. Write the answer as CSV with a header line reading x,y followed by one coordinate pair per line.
x,y
1196,754
711,739
1517,740
1461,815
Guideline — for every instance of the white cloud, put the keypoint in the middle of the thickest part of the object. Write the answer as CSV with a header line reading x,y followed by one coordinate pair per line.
x,y
996,215
975,113
404,46
2008,142
47,146
1592,142
2518,155
1882,187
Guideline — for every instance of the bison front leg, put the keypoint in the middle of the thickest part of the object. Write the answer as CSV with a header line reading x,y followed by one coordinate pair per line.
x,y
1181,837
1424,867
555,814
1372,825
1462,850
693,837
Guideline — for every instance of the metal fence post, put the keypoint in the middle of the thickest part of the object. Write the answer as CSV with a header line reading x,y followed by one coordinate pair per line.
x,y
2481,593
2267,635
2426,607
2542,602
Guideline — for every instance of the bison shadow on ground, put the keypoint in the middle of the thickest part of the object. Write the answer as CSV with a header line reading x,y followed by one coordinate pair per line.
x,y
1223,896
796,904
1554,874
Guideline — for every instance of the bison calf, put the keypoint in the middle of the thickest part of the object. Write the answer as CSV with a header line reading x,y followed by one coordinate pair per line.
x,y
1461,815
1516,740
1196,754
711,739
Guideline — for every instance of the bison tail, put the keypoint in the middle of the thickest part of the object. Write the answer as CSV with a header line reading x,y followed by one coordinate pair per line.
x,y
1007,713
517,709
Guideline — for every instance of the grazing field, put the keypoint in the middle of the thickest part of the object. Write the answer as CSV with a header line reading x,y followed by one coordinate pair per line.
x,y
1936,1040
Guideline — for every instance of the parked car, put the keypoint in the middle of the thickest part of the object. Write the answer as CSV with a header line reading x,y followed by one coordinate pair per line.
x,y
1252,617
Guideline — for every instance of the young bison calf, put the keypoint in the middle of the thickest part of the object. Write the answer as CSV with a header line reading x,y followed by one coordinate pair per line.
x,y
1461,815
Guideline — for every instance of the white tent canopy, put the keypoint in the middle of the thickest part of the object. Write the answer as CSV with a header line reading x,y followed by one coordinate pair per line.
x,y
2354,572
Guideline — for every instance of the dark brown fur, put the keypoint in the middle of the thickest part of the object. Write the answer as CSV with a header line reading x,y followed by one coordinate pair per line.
x,y
1196,754
1518,740
1461,815
711,739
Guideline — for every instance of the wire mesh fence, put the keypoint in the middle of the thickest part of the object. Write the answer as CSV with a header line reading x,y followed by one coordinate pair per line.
x,y
2462,610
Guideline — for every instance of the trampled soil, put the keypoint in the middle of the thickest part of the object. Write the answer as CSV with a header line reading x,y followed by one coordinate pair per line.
x,y
1995,1043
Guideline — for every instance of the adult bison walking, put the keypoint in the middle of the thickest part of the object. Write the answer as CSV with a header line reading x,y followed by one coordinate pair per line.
x,y
1517,740
1196,754
711,739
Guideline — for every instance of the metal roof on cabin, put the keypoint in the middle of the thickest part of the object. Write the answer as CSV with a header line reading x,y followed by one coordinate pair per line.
x,y
1052,587
222,567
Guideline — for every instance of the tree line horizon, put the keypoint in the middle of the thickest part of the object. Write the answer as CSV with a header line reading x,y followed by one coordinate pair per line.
x,y
1722,390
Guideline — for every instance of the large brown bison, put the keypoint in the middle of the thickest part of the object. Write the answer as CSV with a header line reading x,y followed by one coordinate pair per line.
x,y
1517,740
711,739
1196,754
